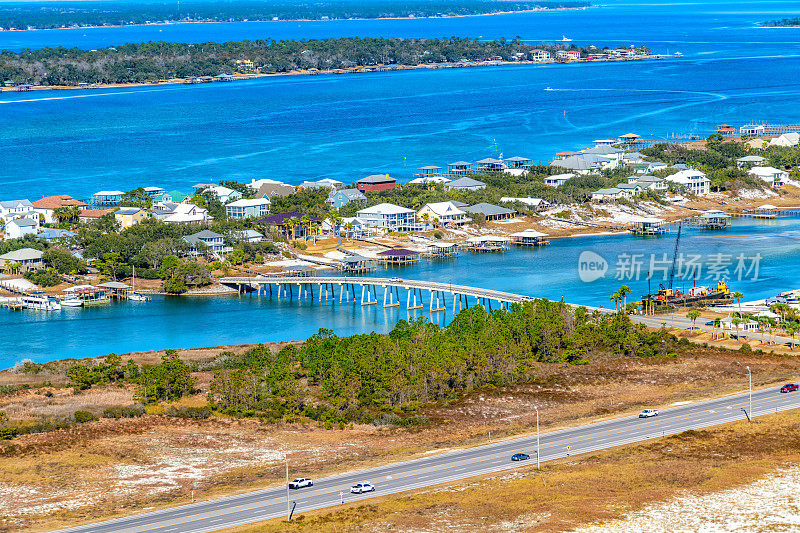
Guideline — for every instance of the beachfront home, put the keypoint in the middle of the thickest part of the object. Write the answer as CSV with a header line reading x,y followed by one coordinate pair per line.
x,y
247,235
569,55
171,197
518,162
184,213
19,227
540,55
325,183
106,198
205,241
536,204
289,224
749,161
376,182
10,209
241,209
389,217
130,216
652,183
25,259
348,226
223,194
89,215
459,169
629,190
152,192
465,184
47,205
630,138
613,154
490,164
774,176
693,179
558,180
491,212
443,214
611,193
274,188
343,197
530,237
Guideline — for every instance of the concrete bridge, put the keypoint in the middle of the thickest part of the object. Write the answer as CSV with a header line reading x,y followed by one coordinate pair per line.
x,y
303,288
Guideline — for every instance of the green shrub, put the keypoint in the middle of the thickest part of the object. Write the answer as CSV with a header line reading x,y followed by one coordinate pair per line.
x,y
195,413
82,417
8,433
745,348
131,411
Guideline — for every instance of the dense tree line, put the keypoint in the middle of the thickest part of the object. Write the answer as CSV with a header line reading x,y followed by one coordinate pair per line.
x,y
154,61
66,14
354,378
794,21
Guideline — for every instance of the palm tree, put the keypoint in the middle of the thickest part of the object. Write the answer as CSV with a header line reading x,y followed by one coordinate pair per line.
x,y
791,331
425,218
624,291
615,298
305,222
736,321
738,297
694,314
293,223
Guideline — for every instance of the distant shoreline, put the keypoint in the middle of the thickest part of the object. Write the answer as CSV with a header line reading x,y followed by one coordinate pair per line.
x,y
796,26
177,22
433,66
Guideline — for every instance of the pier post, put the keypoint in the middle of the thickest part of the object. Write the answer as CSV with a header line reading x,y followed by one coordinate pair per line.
x,y
341,292
385,288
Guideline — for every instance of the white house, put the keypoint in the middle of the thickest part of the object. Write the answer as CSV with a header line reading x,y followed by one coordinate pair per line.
x,y
774,176
187,213
10,209
388,216
749,160
692,179
240,209
612,193
19,227
535,203
558,180
655,165
224,194
541,55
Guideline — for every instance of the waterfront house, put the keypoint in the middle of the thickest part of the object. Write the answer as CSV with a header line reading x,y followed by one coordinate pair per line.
x,y
88,215
773,176
490,164
247,235
537,204
529,237
27,259
241,209
270,189
429,171
752,130
343,197
388,217
376,182
47,205
130,216
284,223
612,193
19,227
183,213
569,55
223,194
491,212
630,138
749,161
106,198
459,169
465,184
558,179
206,241
786,140
11,209
351,227
540,55
171,197
198,188
325,183
399,256
443,214
629,190
693,179
55,234
610,152
152,192
652,183
518,162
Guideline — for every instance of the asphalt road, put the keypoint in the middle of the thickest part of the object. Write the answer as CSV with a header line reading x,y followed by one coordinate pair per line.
x,y
445,467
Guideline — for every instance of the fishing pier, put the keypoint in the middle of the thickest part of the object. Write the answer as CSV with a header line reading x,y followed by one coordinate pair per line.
x,y
346,289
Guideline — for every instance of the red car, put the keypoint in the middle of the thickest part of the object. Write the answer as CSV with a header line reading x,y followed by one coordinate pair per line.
x,y
790,387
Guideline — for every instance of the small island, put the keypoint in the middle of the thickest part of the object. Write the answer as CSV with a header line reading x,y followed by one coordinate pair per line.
x,y
793,22
20,17
165,62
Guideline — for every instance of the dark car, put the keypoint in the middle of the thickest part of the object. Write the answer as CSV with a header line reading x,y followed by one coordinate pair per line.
x,y
790,387
520,457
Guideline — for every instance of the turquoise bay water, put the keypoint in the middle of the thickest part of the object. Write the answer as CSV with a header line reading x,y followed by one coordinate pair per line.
x,y
296,128
548,272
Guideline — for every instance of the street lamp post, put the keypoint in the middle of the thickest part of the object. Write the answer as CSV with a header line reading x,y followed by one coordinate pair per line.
x,y
750,382
538,459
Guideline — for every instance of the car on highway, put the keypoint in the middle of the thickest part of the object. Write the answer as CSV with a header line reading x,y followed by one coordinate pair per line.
x,y
396,280
300,483
520,457
790,387
647,413
361,488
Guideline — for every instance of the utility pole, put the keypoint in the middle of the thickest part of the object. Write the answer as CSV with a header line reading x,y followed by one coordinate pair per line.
x,y
538,460
288,515
750,380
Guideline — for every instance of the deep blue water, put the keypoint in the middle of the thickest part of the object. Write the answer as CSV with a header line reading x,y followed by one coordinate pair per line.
x,y
296,128
550,272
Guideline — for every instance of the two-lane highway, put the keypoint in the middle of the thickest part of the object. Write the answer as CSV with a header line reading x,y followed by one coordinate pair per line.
x,y
445,467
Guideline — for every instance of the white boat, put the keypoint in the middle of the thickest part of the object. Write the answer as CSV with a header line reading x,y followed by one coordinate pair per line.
x,y
133,295
72,302
548,89
565,39
40,302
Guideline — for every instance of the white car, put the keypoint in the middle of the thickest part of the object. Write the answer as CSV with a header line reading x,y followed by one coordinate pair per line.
x,y
647,413
396,280
301,482
361,488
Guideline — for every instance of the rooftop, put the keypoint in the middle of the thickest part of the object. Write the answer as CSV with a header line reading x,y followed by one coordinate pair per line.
x,y
377,178
23,254
464,183
54,202
489,209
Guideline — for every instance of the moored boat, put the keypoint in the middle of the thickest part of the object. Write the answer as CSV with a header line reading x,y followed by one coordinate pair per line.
x,y
39,301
